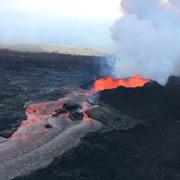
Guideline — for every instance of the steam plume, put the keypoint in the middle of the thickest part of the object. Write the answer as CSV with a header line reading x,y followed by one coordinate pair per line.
x,y
147,39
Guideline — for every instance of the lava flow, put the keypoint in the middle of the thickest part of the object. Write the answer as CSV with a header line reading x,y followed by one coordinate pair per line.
x,y
109,83
51,129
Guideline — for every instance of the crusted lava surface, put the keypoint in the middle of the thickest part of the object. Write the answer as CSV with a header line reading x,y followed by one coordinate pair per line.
x,y
38,77
140,137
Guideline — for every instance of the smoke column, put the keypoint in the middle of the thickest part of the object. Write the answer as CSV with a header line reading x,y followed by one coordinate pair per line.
x,y
147,39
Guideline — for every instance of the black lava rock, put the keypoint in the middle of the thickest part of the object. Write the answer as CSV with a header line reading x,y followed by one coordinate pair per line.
x,y
71,107
154,104
149,152
48,126
100,113
76,116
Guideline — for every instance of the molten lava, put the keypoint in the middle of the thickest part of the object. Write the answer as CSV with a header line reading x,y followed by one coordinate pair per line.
x,y
85,107
109,83
86,117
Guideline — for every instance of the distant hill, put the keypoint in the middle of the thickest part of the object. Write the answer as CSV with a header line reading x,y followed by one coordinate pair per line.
x,y
61,49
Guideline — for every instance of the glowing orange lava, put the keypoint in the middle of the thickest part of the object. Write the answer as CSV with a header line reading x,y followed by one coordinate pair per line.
x,y
109,83
85,107
86,117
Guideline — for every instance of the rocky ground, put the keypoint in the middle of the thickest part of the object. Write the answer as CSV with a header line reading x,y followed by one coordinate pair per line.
x,y
34,77
140,139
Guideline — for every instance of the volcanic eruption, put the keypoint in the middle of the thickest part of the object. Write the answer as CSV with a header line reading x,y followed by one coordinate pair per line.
x,y
110,83
147,40
147,48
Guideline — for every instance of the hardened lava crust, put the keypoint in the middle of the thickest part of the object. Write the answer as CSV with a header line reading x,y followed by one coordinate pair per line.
x,y
140,134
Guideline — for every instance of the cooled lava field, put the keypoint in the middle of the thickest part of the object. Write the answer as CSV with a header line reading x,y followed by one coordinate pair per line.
x,y
139,138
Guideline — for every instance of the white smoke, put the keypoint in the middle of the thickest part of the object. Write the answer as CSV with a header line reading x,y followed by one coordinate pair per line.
x,y
147,39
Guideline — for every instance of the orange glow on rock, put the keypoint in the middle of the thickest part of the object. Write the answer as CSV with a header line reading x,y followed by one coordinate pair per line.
x,y
24,123
86,117
109,83
85,107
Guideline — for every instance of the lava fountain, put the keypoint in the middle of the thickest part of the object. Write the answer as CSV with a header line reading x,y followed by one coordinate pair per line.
x,y
109,83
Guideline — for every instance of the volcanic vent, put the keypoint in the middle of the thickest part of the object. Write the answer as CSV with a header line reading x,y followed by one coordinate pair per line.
x,y
107,114
110,83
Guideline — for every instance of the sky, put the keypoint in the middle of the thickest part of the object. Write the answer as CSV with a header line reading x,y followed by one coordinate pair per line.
x,y
73,22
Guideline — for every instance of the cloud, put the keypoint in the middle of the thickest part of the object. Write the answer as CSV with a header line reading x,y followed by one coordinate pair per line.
x,y
147,40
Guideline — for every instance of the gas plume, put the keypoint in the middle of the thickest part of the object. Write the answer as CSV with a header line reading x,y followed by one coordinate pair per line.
x,y
147,40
